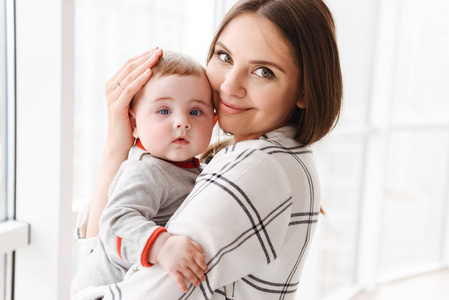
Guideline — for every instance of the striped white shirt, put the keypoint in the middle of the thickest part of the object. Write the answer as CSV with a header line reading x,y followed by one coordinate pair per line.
x,y
254,209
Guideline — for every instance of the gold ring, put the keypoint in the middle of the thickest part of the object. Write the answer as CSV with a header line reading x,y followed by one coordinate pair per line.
x,y
118,84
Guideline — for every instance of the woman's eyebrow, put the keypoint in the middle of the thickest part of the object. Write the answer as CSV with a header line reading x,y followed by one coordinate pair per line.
x,y
255,62
223,46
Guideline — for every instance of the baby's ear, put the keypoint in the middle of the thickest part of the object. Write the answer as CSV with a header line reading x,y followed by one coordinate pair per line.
x,y
132,117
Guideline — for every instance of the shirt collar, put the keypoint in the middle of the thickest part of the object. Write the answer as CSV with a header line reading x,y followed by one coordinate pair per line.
x,y
194,163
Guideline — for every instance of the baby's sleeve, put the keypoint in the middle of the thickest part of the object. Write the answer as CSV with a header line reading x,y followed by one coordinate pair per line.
x,y
125,227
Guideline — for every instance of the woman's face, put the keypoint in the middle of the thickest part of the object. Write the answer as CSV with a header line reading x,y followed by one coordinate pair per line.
x,y
254,77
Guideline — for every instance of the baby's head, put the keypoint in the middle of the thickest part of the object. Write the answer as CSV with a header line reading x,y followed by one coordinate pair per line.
x,y
173,115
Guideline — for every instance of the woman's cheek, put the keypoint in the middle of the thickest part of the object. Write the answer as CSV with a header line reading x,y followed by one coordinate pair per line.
x,y
212,72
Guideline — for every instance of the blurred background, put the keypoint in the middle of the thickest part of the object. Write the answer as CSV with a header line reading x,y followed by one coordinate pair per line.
x,y
384,170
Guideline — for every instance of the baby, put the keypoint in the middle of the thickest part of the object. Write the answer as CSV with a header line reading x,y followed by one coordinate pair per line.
x,y
172,118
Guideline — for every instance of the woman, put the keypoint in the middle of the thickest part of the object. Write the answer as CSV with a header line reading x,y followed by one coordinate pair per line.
x,y
275,74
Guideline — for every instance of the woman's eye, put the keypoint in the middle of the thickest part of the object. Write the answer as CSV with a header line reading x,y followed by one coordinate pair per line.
x,y
195,112
264,73
223,56
164,111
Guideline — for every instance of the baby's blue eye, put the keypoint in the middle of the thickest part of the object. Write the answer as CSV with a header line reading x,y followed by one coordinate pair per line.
x,y
164,111
195,112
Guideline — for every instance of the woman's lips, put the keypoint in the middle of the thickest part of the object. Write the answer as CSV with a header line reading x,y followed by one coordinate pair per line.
x,y
231,109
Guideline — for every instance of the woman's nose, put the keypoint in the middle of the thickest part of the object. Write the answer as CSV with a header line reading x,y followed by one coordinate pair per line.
x,y
233,84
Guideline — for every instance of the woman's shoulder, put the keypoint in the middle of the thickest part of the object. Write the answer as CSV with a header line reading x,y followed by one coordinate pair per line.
x,y
280,141
274,153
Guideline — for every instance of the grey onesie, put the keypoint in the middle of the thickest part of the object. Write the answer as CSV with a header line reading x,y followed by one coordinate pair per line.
x,y
142,197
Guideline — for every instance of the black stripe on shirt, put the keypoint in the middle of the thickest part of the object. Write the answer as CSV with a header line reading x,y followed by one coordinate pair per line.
x,y
246,235
303,218
222,293
248,201
244,201
295,152
284,149
292,149
271,283
112,293
204,179
187,294
272,289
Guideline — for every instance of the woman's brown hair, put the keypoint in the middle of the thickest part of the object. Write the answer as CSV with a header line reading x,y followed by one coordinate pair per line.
x,y
309,28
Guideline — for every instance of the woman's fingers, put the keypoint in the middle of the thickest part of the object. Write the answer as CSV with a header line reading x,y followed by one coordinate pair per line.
x,y
114,77
128,93
149,58
133,81
147,64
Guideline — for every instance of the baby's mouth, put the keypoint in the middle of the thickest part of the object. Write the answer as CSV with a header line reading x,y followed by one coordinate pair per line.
x,y
181,141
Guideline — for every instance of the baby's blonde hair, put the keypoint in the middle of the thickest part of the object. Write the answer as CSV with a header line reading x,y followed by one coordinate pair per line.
x,y
173,63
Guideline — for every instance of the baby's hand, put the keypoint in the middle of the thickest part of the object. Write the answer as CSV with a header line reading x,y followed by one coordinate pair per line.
x,y
182,258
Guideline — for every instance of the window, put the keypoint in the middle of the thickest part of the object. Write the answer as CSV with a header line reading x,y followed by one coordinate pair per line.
x,y
8,227
385,168
4,266
417,161
3,114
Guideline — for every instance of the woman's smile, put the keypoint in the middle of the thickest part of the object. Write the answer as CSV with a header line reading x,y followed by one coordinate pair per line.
x,y
231,109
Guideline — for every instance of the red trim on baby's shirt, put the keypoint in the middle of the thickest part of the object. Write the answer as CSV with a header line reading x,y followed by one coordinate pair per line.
x,y
146,251
195,162
139,144
119,247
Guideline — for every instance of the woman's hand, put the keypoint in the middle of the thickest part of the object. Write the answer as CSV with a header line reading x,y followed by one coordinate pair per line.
x,y
119,91
130,78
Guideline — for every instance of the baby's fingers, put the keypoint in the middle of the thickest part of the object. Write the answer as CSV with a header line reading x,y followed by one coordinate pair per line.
x,y
179,280
191,277
198,247
199,256
198,273
200,262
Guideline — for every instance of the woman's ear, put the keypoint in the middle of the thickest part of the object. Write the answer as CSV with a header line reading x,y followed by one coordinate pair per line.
x,y
132,118
301,102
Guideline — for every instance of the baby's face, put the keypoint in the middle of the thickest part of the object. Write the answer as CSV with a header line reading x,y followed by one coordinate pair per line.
x,y
175,116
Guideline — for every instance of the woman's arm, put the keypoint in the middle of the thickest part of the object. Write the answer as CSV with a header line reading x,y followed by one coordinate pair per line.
x,y
131,76
239,211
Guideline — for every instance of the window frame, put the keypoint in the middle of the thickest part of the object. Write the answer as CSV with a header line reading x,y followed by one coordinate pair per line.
x,y
13,234
45,64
